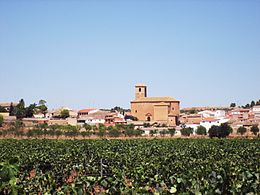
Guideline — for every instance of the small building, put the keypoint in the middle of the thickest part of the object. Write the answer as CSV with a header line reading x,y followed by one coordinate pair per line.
x,y
162,110
7,105
209,122
114,118
256,111
87,111
93,118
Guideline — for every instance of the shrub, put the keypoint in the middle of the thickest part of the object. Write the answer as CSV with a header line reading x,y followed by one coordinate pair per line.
x,y
1,120
241,130
254,129
114,133
186,131
201,130
164,132
220,131
172,131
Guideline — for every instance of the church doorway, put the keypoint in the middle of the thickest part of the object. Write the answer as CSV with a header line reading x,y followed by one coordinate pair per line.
x,y
148,118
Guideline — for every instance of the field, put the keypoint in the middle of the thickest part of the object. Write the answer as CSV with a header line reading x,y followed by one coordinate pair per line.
x,y
187,166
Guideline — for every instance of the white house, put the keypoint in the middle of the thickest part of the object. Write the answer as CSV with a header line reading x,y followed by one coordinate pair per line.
x,y
256,111
91,120
209,122
215,114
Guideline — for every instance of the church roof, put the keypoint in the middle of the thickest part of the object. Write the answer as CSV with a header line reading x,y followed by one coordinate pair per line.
x,y
155,99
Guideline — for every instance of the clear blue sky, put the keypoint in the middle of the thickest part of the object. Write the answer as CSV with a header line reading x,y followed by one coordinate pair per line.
x,y
92,53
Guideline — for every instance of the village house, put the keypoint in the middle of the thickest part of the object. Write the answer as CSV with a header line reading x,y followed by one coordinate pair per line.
x,y
7,105
256,111
114,118
93,117
162,110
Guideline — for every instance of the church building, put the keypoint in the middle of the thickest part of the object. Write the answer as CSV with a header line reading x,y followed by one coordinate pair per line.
x,y
163,110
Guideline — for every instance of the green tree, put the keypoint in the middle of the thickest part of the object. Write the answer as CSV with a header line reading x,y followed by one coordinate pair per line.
x,y
2,109
29,111
164,132
220,131
42,102
19,110
213,131
87,127
146,125
186,131
201,130
172,131
114,132
101,132
246,106
252,104
42,108
153,132
241,130
1,120
64,114
138,132
225,130
232,105
11,110
254,129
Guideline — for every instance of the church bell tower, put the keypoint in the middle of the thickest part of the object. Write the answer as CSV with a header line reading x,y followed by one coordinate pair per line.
x,y
140,91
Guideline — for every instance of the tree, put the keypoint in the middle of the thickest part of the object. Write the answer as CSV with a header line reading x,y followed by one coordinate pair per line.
x,y
225,130
172,131
42,102
247,106
213,131
232,105
2,109
101,132
164,132
241,130
146,125
201,130
64,114
138,132
252,104
254,129
87,127
153,132
220,131
11,110
114,132
1,120
19,110
29,111
186,131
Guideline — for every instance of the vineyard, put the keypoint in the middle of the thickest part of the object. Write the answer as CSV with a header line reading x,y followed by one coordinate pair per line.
x,y
187,166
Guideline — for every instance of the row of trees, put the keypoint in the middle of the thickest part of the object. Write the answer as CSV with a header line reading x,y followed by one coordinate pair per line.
x,y
221,131
252,104
16,129
21,111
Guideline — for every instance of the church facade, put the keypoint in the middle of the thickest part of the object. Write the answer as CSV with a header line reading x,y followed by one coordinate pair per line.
x,y
163,110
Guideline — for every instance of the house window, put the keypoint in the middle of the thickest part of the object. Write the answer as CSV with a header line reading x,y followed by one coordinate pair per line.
x,y
135,111
172,108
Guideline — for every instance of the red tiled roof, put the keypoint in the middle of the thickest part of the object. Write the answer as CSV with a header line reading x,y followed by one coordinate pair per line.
x,y
210,119
86,110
